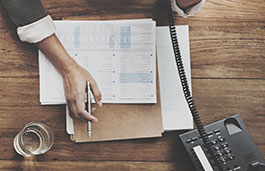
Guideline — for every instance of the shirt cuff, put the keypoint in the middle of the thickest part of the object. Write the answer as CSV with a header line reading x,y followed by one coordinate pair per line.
x,y
37,31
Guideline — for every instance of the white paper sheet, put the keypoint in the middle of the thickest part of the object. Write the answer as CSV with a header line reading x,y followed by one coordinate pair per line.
x,y
175,112
120,55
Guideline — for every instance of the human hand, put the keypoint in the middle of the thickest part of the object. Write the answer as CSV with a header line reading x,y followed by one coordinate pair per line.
x,y
74,77
74,86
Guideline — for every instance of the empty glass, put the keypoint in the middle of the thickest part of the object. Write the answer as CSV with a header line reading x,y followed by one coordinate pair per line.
x,y
34,139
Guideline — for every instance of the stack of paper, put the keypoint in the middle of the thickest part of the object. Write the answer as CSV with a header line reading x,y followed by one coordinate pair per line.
x,y
175,112
119,54
121,57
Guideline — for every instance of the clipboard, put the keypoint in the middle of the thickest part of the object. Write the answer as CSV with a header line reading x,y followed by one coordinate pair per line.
x,y
121,121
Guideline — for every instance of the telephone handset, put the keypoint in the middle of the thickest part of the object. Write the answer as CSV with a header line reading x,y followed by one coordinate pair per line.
x,y
222,146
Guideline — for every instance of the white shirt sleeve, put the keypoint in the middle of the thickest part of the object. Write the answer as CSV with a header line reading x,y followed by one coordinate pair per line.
x,y
37,31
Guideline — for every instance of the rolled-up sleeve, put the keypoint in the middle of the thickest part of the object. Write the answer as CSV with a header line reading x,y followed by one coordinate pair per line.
x,y
31,18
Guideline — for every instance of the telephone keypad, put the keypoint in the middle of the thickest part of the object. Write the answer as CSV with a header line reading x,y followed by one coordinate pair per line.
x,y
219,145
222,148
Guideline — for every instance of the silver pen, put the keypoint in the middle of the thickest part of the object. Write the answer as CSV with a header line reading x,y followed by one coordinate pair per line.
x,y
88,107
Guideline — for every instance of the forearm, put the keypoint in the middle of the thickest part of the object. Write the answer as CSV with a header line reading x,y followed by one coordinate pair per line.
x,y
57,55
34,26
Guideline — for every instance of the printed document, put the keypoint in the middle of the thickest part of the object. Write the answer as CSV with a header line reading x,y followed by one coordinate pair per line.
x,y
175,112
119,54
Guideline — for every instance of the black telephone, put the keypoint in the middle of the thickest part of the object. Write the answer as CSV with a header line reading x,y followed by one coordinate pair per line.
x,y
225,145
232,143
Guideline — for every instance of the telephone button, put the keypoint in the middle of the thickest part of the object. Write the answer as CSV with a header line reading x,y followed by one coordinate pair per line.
x,y
194,138
214,142
227,151
217,131
188,140
237,168
216,148
210,133
231,157
224,145
219,154
221,139
223,160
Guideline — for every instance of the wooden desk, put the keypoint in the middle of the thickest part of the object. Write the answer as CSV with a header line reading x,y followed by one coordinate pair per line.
x,y
227,41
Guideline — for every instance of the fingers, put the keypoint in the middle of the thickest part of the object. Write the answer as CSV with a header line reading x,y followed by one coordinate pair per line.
x,y
96,92
86,116
74,86
80,110
73,112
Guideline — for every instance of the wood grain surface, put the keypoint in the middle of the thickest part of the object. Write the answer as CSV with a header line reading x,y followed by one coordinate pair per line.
x,y
227,41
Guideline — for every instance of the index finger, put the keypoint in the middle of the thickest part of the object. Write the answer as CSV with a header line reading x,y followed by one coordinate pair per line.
x,y
96,92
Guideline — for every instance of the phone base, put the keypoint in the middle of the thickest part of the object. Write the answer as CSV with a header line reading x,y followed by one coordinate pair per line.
x,y
231,142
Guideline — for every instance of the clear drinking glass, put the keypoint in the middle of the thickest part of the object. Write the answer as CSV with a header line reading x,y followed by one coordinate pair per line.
x,y
34,139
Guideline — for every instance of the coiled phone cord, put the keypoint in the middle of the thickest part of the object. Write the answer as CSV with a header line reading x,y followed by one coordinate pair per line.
x,y
186,90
